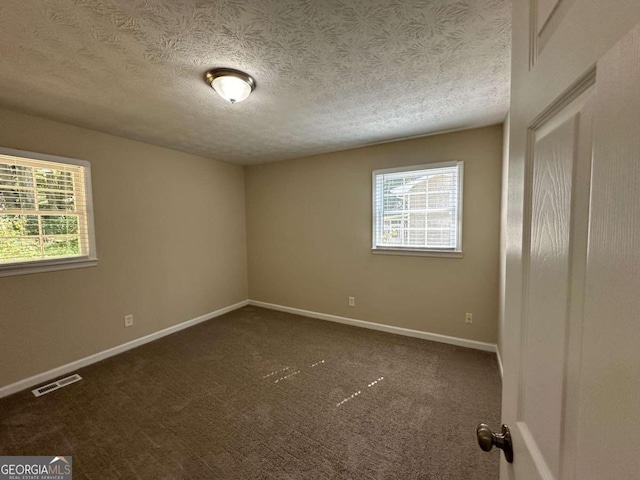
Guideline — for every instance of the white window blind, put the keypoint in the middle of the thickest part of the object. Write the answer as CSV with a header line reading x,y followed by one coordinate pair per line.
x,y
45,210
418,208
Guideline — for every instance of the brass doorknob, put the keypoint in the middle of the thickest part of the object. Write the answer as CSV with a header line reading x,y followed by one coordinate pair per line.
x,y
487,439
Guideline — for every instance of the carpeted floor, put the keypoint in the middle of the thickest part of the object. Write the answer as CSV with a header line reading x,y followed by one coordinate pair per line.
x,y
259,394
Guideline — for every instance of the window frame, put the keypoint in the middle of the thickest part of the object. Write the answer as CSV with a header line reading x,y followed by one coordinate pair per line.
x,y
417,251
62,263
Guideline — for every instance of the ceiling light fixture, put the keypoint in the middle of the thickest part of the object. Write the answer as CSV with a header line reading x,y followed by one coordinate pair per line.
x,y
232,85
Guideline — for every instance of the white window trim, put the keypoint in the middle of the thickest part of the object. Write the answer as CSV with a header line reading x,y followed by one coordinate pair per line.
x,y
54,264
411,251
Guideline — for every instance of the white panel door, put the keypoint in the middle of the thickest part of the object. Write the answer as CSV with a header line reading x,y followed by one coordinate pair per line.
x,y
608,427
555,245
571,389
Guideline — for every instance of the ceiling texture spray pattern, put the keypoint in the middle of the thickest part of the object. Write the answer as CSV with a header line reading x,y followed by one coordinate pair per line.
x,y
331,74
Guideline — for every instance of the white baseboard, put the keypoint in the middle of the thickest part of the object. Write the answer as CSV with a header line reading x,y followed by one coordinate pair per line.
x,y
461,342
500,362
83,362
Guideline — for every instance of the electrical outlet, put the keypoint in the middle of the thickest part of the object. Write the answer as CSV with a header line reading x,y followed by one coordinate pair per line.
x,y
352,301
468,318
128,320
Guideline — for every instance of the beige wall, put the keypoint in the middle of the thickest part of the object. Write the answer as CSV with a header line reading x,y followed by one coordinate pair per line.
x,y
171,245
309,238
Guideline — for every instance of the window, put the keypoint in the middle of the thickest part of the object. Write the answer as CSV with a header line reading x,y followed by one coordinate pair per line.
x,y
418,210
46,217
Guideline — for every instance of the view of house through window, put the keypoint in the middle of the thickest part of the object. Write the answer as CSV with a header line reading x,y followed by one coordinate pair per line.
x,y
418,208
43,210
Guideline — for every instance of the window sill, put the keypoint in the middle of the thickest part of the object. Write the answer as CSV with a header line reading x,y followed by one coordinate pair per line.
x,y
416,252
26,268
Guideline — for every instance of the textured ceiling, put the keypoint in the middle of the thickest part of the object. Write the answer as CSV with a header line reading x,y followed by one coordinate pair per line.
x,y
331,74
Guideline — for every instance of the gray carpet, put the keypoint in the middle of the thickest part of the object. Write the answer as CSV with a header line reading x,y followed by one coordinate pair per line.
x,y
259,394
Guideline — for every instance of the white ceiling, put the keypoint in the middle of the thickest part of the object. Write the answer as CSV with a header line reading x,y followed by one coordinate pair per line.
x,y
331,74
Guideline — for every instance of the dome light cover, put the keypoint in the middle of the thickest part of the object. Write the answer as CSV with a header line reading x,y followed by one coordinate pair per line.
x,y
232,85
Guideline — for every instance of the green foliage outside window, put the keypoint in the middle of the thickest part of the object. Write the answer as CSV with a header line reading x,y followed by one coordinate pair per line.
x,y
49,230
